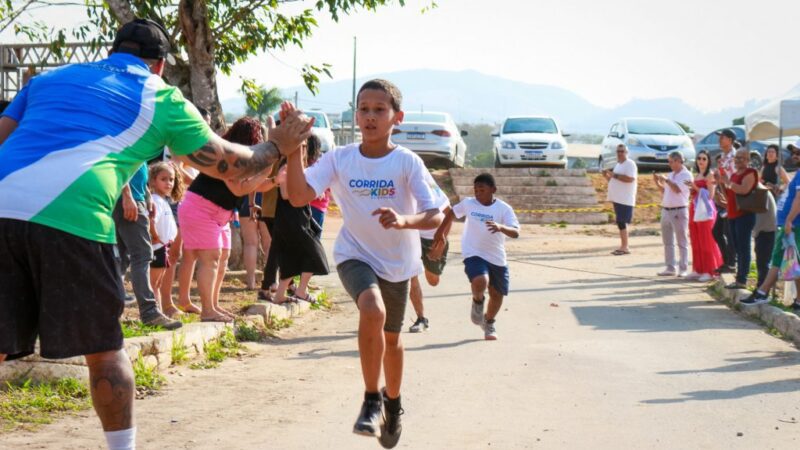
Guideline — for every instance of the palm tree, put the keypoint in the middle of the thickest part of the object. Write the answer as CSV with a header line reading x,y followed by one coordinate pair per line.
x,y
270,102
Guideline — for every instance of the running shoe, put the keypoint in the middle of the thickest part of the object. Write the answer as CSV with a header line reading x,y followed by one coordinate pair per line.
x,y
420,325
391,426
369,419
477,312
489,331
796,307
756,298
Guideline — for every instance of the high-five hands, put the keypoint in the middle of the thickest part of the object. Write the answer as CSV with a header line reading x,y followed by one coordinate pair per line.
x,y
294,129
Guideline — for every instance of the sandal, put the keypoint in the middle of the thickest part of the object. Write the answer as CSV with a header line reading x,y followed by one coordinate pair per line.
x,y
191,308
266,296
217,318
619,252
309,298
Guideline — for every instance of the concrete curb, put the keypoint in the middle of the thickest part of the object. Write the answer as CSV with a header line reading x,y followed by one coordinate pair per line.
x,y
788,324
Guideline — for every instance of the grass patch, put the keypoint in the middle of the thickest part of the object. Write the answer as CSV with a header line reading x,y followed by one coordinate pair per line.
x,y
178,352
26,404
551,183
147,378
135,328
218,349
323,301
276,324
543,173
189,318
250,332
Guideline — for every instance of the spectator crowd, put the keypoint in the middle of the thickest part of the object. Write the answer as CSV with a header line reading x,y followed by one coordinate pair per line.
x,y
724,210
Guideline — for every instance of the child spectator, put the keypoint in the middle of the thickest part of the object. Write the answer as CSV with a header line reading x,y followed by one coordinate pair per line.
x,y
489,221
165,183
381,190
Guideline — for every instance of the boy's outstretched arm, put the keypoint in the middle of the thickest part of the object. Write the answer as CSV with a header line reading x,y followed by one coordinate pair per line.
x,y
300,193
495,227
425,220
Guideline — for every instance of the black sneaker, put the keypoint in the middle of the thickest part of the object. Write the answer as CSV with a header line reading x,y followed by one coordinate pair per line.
x,y
391,426
756,298
796,307
420,325
370,419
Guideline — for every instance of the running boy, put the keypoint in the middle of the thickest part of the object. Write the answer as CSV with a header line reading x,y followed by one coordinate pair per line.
x,y
384,197
434,258
489,221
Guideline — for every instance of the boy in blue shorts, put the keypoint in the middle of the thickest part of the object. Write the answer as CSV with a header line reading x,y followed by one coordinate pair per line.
x,y
489,221
385,198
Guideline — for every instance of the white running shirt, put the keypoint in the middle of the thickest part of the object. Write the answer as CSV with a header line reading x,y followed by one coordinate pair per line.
x,y
477,240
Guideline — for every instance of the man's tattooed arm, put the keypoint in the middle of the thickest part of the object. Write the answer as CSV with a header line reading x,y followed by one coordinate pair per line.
x,y
222,159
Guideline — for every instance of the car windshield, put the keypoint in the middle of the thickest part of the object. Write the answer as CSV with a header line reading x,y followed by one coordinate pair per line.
x,y
654,126
529,125
320,119
424,117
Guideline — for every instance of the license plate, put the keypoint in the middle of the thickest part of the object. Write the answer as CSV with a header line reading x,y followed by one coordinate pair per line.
x,y
533,152
662,155
416,136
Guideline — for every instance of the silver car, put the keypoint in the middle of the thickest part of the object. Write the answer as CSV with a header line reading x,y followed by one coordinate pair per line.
x,y
649,142
434,136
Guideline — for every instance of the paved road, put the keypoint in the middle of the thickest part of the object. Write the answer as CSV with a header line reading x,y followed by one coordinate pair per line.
x,y
594,352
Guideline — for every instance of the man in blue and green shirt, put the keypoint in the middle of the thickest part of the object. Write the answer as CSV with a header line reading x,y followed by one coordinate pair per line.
x,y
69,142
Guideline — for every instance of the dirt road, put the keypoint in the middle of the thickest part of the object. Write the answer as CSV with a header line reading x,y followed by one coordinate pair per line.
x,y
594,352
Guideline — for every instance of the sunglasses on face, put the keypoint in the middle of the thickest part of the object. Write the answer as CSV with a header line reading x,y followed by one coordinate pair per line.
x,y
702,159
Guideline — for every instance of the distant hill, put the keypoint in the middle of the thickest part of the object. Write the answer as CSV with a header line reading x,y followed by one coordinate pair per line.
x,y
474,97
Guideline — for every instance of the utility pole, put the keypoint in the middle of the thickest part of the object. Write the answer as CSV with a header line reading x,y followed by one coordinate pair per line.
x,y
353,102
295,100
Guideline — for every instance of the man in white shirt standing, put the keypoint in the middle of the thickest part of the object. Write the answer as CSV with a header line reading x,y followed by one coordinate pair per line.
x,y
675,215
622,193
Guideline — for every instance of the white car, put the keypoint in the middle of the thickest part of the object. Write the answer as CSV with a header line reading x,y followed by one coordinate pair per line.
x,y
322,129
649,142
434,136
530,140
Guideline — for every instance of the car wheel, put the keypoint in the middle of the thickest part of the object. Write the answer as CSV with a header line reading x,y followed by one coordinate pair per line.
x,y
497,163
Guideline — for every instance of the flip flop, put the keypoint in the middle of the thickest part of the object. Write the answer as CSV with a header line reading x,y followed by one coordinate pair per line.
x,y
218,318
309,298
620,252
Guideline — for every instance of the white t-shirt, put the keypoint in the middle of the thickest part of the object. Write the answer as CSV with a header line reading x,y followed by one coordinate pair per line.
x,y
477,240
441,200
671,199
361,185
164,222
620,192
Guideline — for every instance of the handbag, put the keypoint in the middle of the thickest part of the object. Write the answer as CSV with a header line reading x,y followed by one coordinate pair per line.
x,y
790,268
755,201
703,208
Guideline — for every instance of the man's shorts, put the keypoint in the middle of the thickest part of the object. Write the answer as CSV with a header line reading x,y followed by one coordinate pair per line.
x,y
475,266
434,267
61,288
779,248
357,276
624,213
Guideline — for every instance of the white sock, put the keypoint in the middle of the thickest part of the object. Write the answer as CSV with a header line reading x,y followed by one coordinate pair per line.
x,y
759,291
121,440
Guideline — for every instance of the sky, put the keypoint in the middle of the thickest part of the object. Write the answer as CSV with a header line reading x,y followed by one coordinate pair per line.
x,y
710,53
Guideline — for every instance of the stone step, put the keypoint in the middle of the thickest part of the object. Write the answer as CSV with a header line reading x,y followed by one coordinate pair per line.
x,y
505,192
518,171
528,181
584,218
529,203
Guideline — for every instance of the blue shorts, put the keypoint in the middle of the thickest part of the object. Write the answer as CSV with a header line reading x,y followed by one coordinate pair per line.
x,y
475,266
624,214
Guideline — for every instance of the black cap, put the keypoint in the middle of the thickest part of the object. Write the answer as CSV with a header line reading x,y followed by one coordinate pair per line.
x,y
728,133
152,39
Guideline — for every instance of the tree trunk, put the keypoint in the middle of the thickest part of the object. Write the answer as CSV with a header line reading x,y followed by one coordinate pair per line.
x,y
200,48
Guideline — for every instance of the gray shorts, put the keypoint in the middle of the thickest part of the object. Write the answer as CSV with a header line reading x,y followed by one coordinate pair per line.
x,y
357,276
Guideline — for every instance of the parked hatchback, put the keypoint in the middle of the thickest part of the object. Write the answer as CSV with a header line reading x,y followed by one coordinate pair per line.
x,y
530,140
649,142
434,136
